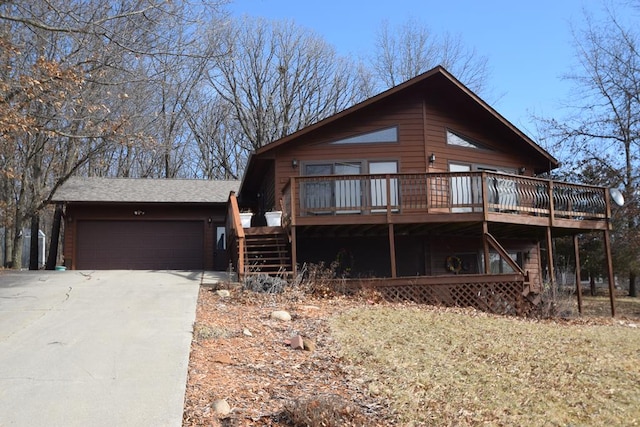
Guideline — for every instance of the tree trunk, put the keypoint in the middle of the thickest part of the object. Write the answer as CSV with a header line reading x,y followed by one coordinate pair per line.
x,y
16,255
633,292
8,246
34,245
52,257
592,284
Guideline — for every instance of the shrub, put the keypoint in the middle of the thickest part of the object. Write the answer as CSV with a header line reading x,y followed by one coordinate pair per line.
x,y
264,283
324,411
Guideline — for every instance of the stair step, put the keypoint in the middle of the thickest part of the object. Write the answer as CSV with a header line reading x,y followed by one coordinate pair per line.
x,y
268,258
267,253
264,246
284,273
256,238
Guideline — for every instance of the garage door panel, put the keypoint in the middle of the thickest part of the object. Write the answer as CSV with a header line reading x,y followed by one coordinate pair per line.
x,y
140,245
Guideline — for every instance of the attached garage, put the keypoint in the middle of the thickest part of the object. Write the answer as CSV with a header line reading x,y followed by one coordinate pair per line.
x,y
140,245
144,224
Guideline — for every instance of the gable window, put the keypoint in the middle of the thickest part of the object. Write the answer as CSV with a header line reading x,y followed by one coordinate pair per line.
x,y
461,141
387,135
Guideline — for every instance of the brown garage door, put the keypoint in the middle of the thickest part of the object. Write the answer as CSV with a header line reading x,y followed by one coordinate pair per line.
x,y
140,245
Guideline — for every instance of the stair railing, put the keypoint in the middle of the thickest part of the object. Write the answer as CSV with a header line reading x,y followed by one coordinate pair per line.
x,y
236,236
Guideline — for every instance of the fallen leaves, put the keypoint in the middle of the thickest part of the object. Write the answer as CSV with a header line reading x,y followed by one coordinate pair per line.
x,y
404,364
258,374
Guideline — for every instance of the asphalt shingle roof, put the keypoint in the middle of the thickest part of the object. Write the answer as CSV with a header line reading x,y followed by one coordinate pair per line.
x,y
113,190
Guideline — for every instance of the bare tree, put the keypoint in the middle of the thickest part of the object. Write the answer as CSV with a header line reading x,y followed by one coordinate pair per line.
x,y
411,48
71,96
602,131
279,78
219,148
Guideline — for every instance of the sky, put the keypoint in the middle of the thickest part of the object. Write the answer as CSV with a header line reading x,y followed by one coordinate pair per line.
x,y
528,43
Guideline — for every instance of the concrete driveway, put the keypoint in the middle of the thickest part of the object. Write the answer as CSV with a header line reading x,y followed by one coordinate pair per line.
x,y
101,348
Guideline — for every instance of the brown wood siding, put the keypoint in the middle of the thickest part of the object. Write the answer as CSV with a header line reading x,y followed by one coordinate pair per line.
x,y
404,113
152,212
499,153
422,126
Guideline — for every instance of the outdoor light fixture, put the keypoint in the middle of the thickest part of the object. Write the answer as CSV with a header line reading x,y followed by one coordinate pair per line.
x,y
432,159
521,170
294,164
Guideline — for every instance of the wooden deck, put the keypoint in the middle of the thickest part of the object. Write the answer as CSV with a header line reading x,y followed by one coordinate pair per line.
x,y
444,198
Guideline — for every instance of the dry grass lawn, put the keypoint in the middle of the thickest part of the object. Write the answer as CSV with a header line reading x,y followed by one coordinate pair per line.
x,y
411,365
462,367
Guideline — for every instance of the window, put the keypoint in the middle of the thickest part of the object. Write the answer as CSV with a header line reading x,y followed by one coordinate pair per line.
x,y
462,191
499,265
378,136
221,242
460,141
321,196
379,185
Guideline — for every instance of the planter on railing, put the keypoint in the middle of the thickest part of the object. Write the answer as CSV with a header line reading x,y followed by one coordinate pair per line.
x,y
245,219
274,218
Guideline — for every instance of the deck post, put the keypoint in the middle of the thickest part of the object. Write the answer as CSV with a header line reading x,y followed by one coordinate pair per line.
x,y
485,246
392,251
552,273
576,251
294,252
610,277
294,240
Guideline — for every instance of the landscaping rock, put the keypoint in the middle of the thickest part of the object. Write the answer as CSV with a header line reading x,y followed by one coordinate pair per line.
x,y
225,359
281,315
223,293
246,332
221,407
297,343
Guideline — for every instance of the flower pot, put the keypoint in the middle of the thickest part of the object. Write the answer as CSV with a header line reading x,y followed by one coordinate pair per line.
x,y
245,219
274,219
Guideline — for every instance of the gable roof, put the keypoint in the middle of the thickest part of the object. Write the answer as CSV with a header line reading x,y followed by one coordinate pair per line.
x,y
144,190
443,77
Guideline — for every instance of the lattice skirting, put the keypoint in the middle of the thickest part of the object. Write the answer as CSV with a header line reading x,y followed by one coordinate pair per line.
x,y
494,297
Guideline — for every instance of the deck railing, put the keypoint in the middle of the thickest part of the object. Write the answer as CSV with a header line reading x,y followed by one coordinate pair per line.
x,y
455,192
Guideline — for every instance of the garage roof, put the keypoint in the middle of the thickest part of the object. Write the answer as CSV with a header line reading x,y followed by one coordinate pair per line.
x,y
144,190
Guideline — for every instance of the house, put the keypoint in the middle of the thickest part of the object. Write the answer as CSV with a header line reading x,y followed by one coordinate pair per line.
x,y
423,191
424,185
121,223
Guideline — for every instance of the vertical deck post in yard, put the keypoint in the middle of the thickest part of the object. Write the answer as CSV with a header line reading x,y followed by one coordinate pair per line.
x,y
552,273
485,224
485,245
612,288
294,252
294,244
392,250
576,251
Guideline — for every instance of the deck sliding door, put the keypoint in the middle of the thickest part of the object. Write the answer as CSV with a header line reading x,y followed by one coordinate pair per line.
x,y
379,186
318,194
326,196
461,189
348,194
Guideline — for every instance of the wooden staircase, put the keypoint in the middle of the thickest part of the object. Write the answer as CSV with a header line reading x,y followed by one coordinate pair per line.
x,y
267,251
